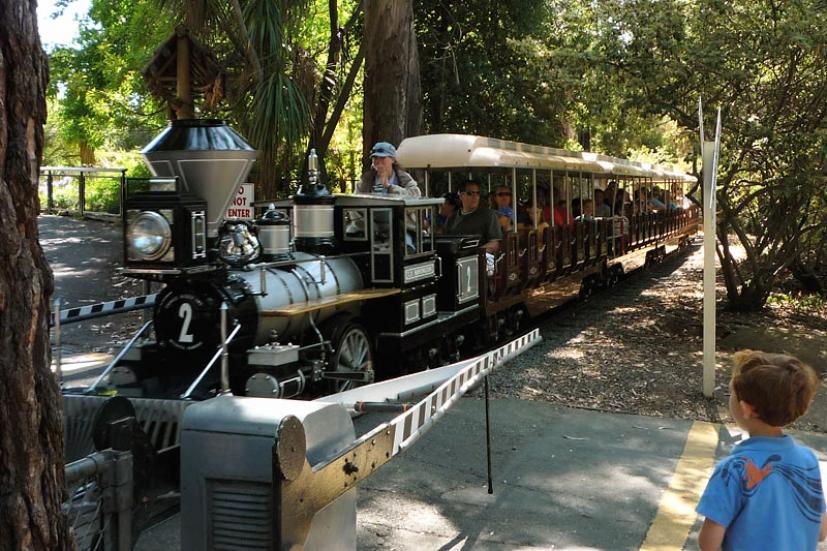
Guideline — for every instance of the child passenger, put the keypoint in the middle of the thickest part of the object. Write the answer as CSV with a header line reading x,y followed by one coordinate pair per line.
x,y
767,494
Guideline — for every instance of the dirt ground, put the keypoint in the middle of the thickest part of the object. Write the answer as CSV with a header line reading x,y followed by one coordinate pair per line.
x,y
638,348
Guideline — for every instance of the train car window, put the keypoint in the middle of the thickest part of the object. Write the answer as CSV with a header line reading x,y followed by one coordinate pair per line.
x,y
355,224
381,251
426,217
419,238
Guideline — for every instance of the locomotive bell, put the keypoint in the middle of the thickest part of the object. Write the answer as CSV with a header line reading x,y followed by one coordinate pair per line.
x,y
209,157
313,213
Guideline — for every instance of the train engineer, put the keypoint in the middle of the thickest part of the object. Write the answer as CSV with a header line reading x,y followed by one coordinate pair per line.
x,y
384,177
767,494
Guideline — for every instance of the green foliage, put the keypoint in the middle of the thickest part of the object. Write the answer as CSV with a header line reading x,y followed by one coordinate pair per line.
x,y
763,63
96,94
484,71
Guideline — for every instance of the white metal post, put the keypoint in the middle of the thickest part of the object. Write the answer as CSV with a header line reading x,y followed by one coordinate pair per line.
x,y
534,196
709,271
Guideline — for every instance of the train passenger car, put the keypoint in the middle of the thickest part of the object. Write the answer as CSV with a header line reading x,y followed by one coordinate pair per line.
x,y
543,262
325,291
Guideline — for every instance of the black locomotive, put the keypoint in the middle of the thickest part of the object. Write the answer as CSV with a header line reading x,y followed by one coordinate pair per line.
x,y
325,292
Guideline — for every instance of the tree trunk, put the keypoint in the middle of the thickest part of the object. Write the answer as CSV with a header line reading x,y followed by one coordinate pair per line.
x,y
393,106
87,154
31,430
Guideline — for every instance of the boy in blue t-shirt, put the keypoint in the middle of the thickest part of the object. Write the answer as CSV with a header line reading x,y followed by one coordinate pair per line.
x,y
767,494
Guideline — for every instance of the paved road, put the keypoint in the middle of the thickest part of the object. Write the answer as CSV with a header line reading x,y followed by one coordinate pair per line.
x,y
83,255
563,479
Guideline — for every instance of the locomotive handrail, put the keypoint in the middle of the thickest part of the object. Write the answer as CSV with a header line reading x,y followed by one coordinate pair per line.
x,y
118,357
218,354
284,263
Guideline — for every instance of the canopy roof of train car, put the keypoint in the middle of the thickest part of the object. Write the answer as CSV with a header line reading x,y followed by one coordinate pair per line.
x,y
463,151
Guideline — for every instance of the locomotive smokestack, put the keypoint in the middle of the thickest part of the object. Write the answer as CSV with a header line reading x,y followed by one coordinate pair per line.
x,y
211,159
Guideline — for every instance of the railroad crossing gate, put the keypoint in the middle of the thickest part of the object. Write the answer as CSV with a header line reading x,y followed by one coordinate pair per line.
x,y
261,473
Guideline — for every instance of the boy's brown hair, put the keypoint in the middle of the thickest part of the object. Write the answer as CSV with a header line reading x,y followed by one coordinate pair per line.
x,y
779,387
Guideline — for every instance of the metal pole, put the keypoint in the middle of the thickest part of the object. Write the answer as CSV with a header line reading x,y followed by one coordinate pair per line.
x,y
82,193
118,357
225,360
50,200
120,196
534,196
58,345
147,314
427,193
514,200
710,156
488,439
552,206
449,182
709,272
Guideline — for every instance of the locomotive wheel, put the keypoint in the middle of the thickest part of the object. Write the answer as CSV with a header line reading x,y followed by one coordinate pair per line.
x,y
352,354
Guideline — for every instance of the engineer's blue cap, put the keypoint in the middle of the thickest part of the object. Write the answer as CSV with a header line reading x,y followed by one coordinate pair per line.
x,y
383,149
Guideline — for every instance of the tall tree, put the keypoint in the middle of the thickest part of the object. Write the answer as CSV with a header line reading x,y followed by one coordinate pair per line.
x,y
31,439
763,62
393,102
323,127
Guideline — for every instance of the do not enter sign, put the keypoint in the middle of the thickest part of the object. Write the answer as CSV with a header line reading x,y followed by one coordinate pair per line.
x,y
241,205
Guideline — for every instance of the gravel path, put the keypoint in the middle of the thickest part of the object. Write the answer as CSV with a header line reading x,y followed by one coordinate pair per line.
x,y
637,348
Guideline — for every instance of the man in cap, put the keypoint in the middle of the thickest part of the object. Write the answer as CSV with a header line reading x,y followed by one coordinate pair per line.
x,y
385,177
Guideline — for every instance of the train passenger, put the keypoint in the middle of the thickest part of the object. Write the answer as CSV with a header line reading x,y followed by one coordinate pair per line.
x,y
502,205
655,202
385,177
601,209
767,494
447,208
611,193
560,214
473,219
622,203
536,213
588,210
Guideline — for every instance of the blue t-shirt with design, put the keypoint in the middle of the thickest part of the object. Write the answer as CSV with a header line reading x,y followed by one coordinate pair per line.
x,y
768,495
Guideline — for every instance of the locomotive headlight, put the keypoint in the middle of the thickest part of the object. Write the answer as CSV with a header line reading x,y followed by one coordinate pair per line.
x,y
149,236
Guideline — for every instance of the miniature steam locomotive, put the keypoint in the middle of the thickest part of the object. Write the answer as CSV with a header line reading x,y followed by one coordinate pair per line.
x,y
325,292
318,290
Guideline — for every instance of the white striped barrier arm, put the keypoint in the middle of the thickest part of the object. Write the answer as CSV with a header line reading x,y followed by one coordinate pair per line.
x,y
304,490
82,313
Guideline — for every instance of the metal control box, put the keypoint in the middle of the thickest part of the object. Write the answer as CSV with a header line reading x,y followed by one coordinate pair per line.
x,y
228,460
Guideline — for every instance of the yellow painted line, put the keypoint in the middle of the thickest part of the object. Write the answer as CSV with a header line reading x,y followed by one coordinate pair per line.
x,y
676,511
